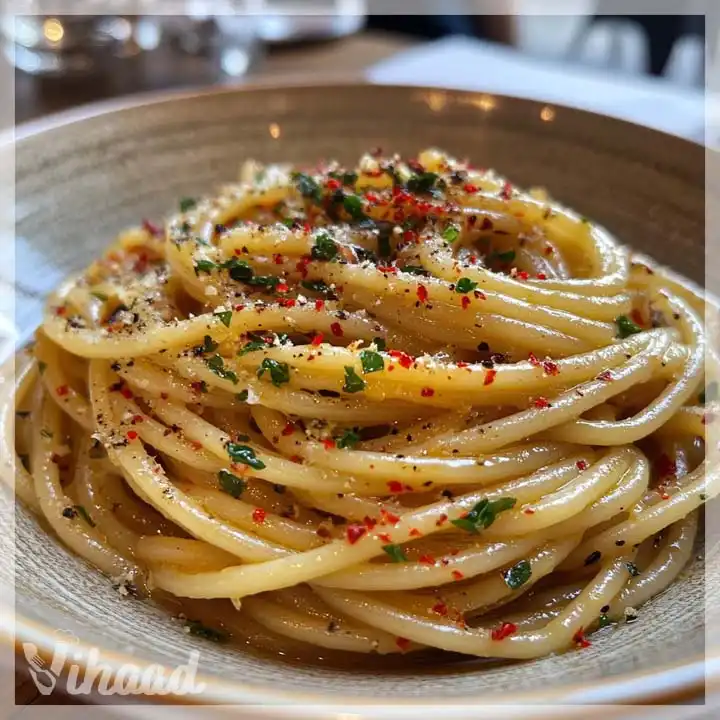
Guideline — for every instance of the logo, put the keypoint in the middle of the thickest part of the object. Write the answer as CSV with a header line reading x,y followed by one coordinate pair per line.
x,y
100,678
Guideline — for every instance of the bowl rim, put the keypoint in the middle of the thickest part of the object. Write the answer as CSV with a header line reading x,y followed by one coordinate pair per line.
x,y
670,683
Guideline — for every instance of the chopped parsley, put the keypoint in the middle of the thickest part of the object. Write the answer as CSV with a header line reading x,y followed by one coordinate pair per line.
x,y
353,206
187,203
208,346
225,317
604,621
518,575
348,439
99,295
395,553
267,281
371,361
353,382
465,285
239,270
83,513
279,371
415,270
195,627
243,396
317,286
422,182
244,454
483,514
626,327
204,266
451,233
324,248
217,365
380,343
308,187
231,484
253,346
505,257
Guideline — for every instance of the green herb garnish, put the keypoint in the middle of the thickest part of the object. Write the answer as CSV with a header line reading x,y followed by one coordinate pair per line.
x,y
465,285
353,206
451,233
279,371
632,569
395,552
518,575
243,396
353,382
231,484
604,621
253,346
505,257
483,514
422,182
415,270
244,454
208,346
317,286
99,295
626,326
187,203
348,439
238,270
324,248
217,365
83,513
371,361
225,317
308,187
380,343
204,266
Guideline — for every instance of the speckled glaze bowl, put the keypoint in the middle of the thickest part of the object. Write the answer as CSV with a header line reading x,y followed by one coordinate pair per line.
x,y
83,176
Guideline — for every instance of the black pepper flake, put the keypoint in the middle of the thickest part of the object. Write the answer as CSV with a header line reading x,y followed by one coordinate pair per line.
x,y
447,493
604,609
483,347
593,557
69,512
332,626
619,543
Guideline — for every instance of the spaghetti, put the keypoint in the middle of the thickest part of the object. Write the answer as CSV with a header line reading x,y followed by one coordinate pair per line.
x,y
398,407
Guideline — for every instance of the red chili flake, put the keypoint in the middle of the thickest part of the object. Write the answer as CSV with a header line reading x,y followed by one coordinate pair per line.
x,y
548,250
581,465
369,522
164,396
151,227
541,402
550,367
636,317
317,340
506,192
195,445
440,609
423,207
465,302
132,435
422,293
529,511
666,467
62,390
462,364
259,515
470,188
307,228
141,263
371,197
580,640
333,184
328,443
282,287
126,392
296,459
522,275
533,360
541,276
61,310
505,630
427,392
385,537
354,533
426,559
473,260
387,269
402,643
441,520
238,308
414,532
409,236
457,575
319,305
197,386
278,259
388,517
302,264
237,251
395,486
404,360
289,429
606,375
489,377
336,329
137,419
287,302
664,495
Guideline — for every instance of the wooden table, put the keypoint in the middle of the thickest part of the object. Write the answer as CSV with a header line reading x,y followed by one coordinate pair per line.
x,y
165,68
345,58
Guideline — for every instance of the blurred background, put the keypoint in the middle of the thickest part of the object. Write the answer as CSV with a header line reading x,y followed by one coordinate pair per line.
x,y
590,56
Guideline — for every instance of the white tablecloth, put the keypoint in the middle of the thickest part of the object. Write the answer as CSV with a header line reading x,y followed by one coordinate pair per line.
x,y
468,64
